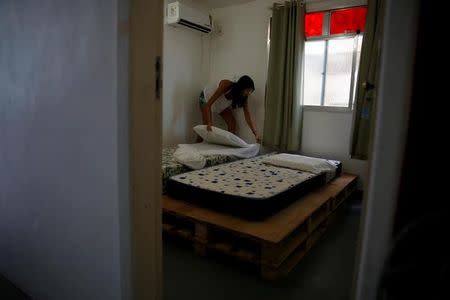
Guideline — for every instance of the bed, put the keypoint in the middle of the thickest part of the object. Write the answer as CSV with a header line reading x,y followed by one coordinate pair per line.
x,y
276,244
248,188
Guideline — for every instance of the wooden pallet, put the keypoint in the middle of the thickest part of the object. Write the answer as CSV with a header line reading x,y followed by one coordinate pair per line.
x,y
276,244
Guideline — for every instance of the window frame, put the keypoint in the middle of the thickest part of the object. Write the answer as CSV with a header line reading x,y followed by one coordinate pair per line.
x,y
326,36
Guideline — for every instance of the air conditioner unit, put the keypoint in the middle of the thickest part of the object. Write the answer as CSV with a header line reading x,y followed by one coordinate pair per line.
x,y
179,14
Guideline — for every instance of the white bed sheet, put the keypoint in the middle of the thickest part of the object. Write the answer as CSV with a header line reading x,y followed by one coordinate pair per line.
x,y
214,149
192,155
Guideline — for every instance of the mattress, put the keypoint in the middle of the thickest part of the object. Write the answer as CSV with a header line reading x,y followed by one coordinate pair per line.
x,y
170,167
247,188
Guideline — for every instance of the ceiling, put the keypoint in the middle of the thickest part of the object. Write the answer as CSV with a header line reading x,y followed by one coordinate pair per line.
x,y
211,4
220,3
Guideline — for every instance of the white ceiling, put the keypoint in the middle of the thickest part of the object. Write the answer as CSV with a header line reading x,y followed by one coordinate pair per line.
x,y
313,4
220,3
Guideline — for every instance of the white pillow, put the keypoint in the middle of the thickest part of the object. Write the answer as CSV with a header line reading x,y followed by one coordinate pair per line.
x,y
190,157
220,136
302,163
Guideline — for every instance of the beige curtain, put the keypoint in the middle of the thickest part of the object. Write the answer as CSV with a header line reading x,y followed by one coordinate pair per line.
x,y
283,106
365,103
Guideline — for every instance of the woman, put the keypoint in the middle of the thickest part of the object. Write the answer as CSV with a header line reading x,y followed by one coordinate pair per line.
x,y
226,97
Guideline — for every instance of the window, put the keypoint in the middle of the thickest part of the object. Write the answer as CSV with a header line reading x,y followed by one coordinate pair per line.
x,y
332,53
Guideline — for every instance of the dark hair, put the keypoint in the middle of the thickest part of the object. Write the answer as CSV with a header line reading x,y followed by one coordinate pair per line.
x,y
238,87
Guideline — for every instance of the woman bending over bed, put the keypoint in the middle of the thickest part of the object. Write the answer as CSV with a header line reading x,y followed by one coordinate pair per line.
x,y
224,99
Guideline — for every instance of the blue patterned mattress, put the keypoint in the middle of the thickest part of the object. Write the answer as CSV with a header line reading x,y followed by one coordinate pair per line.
x,y
247,188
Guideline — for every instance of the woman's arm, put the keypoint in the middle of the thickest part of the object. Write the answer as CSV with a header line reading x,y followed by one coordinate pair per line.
x,y
224,86
248,119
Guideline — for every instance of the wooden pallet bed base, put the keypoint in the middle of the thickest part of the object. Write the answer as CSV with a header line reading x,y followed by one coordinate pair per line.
x,y
276,244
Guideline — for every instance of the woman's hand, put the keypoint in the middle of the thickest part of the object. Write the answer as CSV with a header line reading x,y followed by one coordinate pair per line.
x,y
208,127
258,139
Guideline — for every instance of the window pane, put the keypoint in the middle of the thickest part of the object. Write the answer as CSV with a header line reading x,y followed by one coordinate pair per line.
x,y
348,20
358,57
339,70
313,74
313,24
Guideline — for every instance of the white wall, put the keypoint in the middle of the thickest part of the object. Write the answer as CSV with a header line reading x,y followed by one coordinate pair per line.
x,y
221,3
63,132
242,49
186,71
327,134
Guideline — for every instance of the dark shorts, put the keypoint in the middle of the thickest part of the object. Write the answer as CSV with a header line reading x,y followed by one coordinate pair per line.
x,y
202,100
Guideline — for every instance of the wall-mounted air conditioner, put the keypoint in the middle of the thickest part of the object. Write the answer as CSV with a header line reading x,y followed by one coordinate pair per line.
x,y
179,14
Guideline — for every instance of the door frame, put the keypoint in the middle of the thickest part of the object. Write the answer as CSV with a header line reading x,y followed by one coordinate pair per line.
x,y
390,131
146,32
